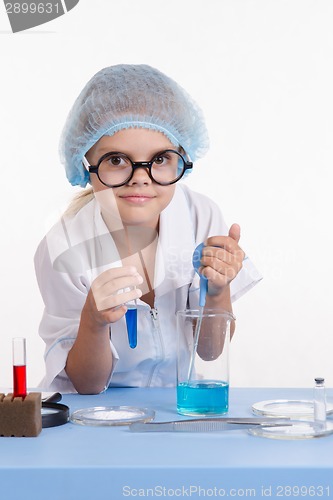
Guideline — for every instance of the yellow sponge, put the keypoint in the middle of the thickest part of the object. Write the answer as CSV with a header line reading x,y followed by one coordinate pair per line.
x,y
20,417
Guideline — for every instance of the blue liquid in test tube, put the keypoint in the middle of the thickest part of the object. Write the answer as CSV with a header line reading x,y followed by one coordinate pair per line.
x,y
131,323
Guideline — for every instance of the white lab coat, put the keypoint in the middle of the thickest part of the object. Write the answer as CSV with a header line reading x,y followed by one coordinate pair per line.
x,y
77,250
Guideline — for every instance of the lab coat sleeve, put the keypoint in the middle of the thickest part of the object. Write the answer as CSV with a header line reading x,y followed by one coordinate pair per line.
x,y
208,221
64,295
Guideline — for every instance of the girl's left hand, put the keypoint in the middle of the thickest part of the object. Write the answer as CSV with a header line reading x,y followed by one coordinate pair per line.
x,y
222,259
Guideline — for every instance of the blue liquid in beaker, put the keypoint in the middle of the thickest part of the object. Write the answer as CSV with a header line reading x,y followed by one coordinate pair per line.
x,y
203,398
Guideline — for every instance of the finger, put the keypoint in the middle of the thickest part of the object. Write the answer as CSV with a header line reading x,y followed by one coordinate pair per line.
x,y
223,269
223,242
114,272
113,315
209,254
216,278
234,232
118,284
118,299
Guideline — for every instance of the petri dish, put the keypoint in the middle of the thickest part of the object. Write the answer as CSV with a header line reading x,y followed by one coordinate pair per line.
x,y
288,408
111,415
298,429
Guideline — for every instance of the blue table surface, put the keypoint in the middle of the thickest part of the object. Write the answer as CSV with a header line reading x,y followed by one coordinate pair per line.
x,y
73,448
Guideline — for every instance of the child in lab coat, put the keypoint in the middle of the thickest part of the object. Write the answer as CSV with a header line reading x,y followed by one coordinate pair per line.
x,y
132,133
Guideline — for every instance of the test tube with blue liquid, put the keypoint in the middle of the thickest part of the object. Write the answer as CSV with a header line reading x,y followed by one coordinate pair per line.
x,y
131,316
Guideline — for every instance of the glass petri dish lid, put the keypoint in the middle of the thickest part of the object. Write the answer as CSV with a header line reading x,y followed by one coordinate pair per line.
x,y
288,408
296,429
111,415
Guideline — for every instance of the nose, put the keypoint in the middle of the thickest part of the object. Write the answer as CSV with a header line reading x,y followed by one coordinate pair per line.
x,y
140,176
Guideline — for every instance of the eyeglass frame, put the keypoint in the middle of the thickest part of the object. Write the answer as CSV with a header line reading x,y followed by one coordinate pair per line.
x,y
187,165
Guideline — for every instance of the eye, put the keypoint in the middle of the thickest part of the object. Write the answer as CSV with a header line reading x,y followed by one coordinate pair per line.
x,y
159,160
167,159
162,158
116,160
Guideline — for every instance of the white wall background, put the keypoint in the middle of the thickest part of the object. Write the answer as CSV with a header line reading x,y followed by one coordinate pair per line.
x,y
262,70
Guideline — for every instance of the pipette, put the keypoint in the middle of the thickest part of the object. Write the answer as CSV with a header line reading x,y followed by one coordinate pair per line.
x,y
197,254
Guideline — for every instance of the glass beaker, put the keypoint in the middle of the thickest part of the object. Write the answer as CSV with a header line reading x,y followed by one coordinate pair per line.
x,y
203,361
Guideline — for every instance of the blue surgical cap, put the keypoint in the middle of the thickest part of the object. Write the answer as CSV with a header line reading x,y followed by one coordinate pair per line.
x,y
130,96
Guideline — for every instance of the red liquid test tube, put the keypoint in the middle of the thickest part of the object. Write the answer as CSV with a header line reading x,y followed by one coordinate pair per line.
x,y
19,367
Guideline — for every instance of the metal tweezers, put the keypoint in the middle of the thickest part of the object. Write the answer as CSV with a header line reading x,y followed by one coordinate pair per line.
x,y
208,424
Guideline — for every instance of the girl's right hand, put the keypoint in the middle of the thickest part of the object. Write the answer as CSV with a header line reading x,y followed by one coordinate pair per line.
x,y
105,302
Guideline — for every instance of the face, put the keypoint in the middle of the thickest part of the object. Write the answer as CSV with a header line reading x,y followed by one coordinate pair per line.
x,y
140,201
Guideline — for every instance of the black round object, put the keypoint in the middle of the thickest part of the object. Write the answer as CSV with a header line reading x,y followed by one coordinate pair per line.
x,y
54,414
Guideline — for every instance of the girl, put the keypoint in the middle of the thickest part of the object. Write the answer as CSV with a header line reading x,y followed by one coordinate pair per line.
x,y
133,133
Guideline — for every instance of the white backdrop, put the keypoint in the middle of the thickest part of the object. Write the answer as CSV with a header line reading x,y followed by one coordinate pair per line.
x,y
262,72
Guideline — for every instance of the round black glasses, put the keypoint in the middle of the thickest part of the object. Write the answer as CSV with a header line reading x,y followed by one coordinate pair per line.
x,y
117,169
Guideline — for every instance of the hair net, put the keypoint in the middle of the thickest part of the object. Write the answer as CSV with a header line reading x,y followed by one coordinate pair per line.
x,y
130,96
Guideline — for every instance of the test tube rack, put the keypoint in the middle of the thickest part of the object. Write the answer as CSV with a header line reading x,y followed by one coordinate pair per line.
x,y
20,417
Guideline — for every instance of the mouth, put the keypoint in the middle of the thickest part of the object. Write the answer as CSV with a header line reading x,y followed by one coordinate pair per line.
x,y
136,198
